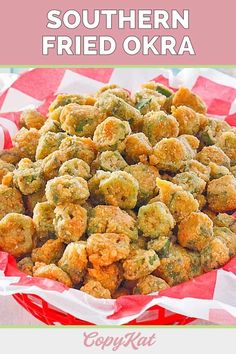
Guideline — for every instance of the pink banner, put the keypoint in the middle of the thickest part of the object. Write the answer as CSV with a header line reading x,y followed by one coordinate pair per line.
x,y
159,32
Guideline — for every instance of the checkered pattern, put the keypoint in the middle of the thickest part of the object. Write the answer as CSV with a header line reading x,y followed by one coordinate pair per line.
x,y
210,296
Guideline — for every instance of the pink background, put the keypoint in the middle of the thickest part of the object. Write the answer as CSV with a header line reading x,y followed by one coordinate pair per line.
x,y
22,24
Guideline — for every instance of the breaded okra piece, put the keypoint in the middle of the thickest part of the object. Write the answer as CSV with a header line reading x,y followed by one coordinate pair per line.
x,y
228,237
111,219
187,118
10,201
62,189
109,276
159,125
26,142
140,263
215,254
146,176
5,168
43,216
75,167
50,125
213,154
227,142
196,167
195,231
109,161
64,99
26,265
80,148
218,171
95,289
184,97
50,252
120,189
17,234
137,148
93,184
31,118
28,177
180,202
149,100
110,134
80,120
51,271
74,261
49,143
190,182
70,222
150,284
225,220
221,194
107,248
155,220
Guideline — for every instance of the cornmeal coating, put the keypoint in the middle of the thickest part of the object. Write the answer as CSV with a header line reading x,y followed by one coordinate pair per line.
x,y
146,176
111,219
5,168
155,220
74,261
50,252
109,161
159,125
80,148
218,171
80,120
149,100
196,167
70,222
190,182
62,189
215,254
227,142
160,245
140,263
180,202
120,189
213,154
75,167
225,220
150,284
94,288
51,125
51,271
195,231
43,216
137,147
228,237
111,133
212,131
28,177
188,120
26,265
10,201
65,99
17,234
117,91
184,97
93,184
48,143
31,118
26,141
52,163
221,194
107,248
109,276
114,106
11,155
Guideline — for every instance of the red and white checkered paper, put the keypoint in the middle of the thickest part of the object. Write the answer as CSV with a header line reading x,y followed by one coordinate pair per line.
x,y
210,296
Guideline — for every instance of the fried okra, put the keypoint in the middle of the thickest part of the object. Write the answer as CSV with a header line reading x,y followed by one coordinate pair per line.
x,y
65,99
213,154
80,148
215,254
212,131
31,118
159,125
149,100
26,265
221,194
17,234
155,220
114,106
50,125
150,284
137,147
10,201
187,118
43,216
140,263
107,248
109,161
190,182
158,87
80,120
120,189
75,167
195,231
74,261
11,155
62,189
50,252
225,220
5,168
26,142
228,237
117,91
169,154
111,219
51,271
180,202
48,143
70,222
146,176
196,167
109,276
227,142
218,171
93,185
94,288
160,245
28,177
184,97
110,134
